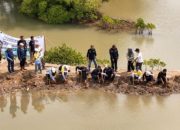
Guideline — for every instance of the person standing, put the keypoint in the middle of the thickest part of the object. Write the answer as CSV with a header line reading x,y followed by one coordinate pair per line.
x,y
91,56
32,48
130,58
1,44
10,58
38,64
139,59
114,55
22,56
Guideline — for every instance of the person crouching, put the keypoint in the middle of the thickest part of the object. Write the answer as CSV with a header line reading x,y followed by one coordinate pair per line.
x,y
22,56
51,75
136,76
82,72
63,71
37,58
96,74
148,76
10,58
109,74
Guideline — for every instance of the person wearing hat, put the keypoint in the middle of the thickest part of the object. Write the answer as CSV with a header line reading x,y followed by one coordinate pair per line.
x,y
32,48
51,75
139,59
37,58
10,58
114,56
22,41
148,76
96,74
22,56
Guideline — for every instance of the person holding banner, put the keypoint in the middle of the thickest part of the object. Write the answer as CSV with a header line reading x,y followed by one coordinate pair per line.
x,y
22,56
10,58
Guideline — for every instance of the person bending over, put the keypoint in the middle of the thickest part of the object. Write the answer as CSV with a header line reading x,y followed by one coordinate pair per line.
x,y
64,70
148,76
96,74
82,72
136,76
161,79
51,75
108,74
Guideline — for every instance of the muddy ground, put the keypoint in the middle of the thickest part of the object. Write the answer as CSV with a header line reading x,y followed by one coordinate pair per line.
x,y
28,80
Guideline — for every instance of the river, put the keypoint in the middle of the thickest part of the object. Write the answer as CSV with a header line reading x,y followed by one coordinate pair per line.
x,y
88,110
164,43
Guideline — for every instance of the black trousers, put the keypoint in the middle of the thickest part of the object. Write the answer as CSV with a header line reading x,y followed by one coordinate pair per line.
x,y
22,62
10,66
114,63
139,66
130,66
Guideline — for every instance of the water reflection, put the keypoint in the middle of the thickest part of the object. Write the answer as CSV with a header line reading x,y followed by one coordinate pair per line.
x,y
3,102
13,105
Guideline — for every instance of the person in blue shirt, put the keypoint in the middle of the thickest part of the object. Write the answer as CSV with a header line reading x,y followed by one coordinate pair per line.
x,y
10,58
22,56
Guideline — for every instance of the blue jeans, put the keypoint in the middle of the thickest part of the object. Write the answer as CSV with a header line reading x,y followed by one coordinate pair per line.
x,y
90,61
38,68
10,66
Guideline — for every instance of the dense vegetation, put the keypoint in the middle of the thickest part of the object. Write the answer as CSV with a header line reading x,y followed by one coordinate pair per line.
x,y
67,55
61,11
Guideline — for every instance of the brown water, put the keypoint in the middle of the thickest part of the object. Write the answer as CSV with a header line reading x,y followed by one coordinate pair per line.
x,y
164,44
88,110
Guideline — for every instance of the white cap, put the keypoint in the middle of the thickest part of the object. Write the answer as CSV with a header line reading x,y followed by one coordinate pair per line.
x,y
53,69
36,49
9,46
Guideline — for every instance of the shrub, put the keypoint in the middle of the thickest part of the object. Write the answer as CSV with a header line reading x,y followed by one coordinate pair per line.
x,y
64,55
152,63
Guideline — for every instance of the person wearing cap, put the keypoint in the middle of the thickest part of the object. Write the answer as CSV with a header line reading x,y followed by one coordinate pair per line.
x,y
22,41
114,56
91,56
32,48
10,58
148,76
51,75
64,70
138,59
37,46
22,56
37,58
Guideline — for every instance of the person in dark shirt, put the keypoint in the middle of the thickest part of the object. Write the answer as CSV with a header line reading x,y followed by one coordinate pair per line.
x,y
114,55
91,56
148,76
109,74
82,72
96,74
1,44
23,42
32,48
10,58
161,79
22,56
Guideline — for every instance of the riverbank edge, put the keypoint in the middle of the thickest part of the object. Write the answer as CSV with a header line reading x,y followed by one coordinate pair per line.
x,y
27,80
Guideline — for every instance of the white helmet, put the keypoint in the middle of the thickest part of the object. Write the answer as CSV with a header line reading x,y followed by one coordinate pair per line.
x,y
9,46
53,70
36,49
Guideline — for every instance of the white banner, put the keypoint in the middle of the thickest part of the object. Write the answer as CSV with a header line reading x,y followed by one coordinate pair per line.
x,y
6,40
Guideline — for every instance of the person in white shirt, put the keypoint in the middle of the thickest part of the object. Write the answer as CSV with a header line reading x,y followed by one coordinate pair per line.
x,y
139,59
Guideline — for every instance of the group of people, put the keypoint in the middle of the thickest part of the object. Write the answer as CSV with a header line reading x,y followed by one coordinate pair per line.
x,y
134,64
36,55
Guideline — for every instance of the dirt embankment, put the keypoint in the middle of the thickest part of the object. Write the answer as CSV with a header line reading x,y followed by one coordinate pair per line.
x,y
28,80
